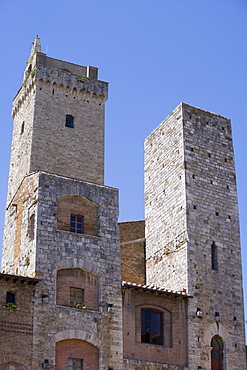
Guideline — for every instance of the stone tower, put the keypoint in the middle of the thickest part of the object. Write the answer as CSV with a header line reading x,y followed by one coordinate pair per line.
x,y
192,230
61,221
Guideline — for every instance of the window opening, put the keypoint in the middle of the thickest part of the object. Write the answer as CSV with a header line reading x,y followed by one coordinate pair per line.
x,y
77,224
151,326
69,121
75,364
10,297
22,127
76,297
214,255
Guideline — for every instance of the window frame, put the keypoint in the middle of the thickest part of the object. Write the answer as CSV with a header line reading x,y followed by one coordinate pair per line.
x,y
76,228
74,365
151,336
77,302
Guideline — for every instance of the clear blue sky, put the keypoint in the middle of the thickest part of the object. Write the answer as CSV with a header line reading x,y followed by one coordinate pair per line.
x,y
155,54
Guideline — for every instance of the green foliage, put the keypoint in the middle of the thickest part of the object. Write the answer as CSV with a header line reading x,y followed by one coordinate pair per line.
x,y
80,79
10,307
27,260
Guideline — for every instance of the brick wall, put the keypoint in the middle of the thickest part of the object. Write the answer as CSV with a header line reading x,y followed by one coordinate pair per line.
x,y
69,204
16,328
174,350
79,349
76,278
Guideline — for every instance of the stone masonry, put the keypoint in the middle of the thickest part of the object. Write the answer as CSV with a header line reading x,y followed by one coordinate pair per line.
x,y
64,254
192,228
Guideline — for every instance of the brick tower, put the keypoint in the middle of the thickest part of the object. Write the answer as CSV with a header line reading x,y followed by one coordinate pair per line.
x,y
61,221
192,231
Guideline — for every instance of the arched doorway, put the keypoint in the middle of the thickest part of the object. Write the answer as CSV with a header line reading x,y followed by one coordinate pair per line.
x,y
217,353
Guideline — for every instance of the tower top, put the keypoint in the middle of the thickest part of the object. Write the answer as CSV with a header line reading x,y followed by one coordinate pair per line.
x,y
36,46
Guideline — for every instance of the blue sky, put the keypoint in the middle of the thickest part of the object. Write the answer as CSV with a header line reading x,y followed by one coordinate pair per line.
x,y
155,54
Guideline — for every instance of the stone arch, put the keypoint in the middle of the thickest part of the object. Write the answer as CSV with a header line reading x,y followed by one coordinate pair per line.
x,y
61,87
220,330
74,91
71,262
78,334
69,206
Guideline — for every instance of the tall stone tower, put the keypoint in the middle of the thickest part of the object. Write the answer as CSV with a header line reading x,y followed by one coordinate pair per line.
x,y
192,231
61,221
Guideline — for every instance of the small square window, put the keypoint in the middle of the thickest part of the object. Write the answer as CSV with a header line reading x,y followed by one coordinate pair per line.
x,y
77,297
69,121
75,364
77,224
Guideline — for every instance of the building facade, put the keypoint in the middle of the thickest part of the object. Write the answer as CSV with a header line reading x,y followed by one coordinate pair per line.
x,y
161,293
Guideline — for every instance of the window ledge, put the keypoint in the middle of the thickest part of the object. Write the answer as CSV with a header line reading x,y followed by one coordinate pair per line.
x,y
81,235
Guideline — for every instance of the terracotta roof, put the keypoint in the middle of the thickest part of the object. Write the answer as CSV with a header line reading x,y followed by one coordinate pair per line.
x,y
22,279
152,288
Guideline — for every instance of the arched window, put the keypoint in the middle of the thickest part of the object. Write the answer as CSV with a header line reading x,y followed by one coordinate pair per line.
x,y
217,353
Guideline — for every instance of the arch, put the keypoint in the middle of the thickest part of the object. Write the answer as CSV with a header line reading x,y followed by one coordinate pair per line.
x,y
85,353
17,360
74,92
61,87
69,206
77,288
216,353
71,262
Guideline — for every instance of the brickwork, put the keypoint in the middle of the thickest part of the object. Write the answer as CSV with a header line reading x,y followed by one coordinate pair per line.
x,y
76,278
191,202
68,205
130,231
78,349
174,350
16,323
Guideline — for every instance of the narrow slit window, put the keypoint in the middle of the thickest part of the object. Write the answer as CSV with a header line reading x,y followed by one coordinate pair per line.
x,y
69,121
214,255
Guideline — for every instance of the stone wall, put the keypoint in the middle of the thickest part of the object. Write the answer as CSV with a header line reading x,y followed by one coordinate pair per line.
x,y
96,256
191,210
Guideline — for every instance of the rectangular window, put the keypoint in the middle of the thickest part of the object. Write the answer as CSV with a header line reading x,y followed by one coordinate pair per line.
x,y
69,121
76,297
75,364
10,297
77,224
152,327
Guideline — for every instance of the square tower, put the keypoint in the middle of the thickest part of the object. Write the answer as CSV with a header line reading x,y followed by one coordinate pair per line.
x,y
61,221
192,228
